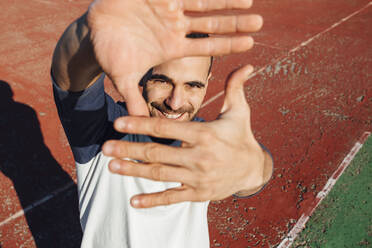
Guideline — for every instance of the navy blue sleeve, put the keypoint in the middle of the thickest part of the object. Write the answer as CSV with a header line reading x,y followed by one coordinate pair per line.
x,y
249,196
87,118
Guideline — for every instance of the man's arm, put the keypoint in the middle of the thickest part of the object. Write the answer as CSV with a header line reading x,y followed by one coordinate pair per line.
x,y
74,66
85,110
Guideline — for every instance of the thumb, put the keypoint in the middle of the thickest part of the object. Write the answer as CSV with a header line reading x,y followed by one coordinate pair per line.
x,y
234,91
136,104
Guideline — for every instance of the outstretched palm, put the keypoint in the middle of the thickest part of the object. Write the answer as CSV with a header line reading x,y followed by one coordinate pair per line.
x,y
131,36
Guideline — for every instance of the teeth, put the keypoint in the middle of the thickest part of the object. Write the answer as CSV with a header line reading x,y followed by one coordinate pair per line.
x,y
170,116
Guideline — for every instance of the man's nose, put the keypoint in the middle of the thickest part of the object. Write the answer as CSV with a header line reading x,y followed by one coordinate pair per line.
x,y
177,99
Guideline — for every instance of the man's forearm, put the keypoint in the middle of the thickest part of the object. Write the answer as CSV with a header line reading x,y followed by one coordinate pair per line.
x,y
74,66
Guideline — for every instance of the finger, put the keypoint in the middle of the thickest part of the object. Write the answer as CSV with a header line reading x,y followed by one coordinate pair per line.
x,y
218,46
209,5
225,24
234,92
153,171
135,103
148,152
170,196
158,127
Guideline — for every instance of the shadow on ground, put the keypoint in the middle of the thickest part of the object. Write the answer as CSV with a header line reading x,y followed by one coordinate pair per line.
x,y
25,159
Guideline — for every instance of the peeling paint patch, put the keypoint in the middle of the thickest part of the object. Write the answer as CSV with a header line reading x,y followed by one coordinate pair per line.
x,y
335,115
285,67
284,110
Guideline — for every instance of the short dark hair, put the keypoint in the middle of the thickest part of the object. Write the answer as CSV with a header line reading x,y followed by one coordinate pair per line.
x,y
148,74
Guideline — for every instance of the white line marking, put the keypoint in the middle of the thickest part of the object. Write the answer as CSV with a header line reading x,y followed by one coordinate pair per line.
x,y
37,203
266,45
213,98
305,43
300,225
330,28
46,2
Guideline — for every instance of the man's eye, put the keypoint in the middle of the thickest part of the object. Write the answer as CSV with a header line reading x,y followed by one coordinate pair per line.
x,y
195,85
160,81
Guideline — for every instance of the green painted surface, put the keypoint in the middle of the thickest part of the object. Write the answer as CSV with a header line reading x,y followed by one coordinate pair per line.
x,y
344,218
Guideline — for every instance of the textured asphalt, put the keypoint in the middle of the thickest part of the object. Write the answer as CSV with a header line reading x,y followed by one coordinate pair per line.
x,y
311,99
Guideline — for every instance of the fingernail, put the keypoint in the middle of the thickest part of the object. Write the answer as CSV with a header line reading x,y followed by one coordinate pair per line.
x,y
120,124
135,202
114,166
108,149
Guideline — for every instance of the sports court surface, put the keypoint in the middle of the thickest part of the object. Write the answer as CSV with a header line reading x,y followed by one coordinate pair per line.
x,y
311,100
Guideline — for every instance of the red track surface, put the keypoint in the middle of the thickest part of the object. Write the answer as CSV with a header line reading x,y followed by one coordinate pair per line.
x,y
311,99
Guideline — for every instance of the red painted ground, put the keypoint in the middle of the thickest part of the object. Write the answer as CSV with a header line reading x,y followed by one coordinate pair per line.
x,y
309,106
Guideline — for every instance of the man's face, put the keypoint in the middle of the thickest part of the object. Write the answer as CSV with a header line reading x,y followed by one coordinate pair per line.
x,y
177,88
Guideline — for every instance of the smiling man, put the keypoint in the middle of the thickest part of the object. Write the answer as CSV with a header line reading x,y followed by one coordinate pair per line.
x,y
176,89
147,182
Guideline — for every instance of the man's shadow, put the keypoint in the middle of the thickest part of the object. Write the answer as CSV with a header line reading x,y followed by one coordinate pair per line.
x,y
25,159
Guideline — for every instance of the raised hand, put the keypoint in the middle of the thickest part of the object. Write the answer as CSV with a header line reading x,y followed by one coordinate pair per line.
x,y
216,160
132,36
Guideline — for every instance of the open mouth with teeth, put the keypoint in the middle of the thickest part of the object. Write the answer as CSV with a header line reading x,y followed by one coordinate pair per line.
x,y
172,116
175,116
162,111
